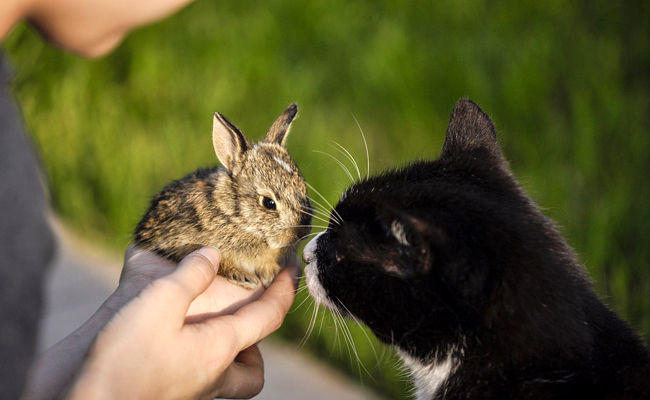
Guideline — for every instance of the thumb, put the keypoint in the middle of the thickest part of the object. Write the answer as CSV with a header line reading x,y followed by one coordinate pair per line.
x,y
192,277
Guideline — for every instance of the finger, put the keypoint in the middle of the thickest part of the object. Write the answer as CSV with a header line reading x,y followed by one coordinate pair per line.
x,y
193,276
145,263
264,316
244,378
221,298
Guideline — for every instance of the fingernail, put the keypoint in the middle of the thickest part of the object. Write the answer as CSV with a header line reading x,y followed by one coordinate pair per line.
x,y
296,274
212,254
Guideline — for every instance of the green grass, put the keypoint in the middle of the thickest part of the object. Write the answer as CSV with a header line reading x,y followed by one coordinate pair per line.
x,y
567,83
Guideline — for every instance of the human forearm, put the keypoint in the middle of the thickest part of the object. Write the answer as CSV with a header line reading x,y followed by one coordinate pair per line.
x,y
55,369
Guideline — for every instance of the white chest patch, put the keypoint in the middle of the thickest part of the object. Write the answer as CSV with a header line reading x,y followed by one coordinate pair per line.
x,y
283,164
429,378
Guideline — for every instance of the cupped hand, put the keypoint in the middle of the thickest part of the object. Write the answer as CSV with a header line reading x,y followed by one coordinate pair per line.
x,y
150,349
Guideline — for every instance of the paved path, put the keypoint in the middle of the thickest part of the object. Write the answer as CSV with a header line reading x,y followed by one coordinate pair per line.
x,y
79,283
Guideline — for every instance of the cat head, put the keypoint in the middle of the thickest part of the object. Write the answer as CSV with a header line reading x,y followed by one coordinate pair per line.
x,y
427,252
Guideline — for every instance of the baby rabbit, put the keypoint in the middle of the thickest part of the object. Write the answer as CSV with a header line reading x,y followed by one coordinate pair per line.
x,y
254,208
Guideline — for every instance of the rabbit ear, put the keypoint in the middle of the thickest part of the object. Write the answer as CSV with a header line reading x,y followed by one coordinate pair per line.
x,y
229,142
280,128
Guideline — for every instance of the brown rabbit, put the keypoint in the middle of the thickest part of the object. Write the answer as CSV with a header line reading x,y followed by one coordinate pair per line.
x,y
254,208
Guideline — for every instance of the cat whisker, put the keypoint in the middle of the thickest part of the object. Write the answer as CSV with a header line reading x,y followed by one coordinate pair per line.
x,y
355,319
342,328
365,143
352,344
336,335
305,237
334,212
320,328
315,216
323,217
310,327
313,210
332,216
308,235
300,290
339,162
305,226
346,153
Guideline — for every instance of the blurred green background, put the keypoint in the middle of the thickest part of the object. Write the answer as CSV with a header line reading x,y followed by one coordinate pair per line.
x,y
566,82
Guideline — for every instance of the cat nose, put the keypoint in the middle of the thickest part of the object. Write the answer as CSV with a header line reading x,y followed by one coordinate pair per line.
x,y
307,258
309,253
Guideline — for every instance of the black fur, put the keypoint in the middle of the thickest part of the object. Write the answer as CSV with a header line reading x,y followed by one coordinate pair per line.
x,y
449,259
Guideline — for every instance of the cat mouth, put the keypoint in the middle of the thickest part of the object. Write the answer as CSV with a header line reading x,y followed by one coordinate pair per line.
x,y
316,290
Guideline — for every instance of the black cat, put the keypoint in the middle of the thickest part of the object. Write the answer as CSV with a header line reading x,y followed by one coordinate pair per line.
x,y
452,263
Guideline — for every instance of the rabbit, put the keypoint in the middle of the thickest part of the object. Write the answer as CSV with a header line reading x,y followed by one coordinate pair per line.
x,y
254,208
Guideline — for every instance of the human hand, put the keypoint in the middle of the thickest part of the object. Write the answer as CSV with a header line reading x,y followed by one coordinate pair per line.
x,y
221,297
150,350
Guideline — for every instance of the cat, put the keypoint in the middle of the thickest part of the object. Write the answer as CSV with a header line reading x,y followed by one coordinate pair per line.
x,y
454,265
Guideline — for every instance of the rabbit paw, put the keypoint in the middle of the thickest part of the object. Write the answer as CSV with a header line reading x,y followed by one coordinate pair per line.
x,y
240,277
267,279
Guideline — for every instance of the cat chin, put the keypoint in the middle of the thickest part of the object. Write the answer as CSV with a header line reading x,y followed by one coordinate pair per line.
x,y
316,290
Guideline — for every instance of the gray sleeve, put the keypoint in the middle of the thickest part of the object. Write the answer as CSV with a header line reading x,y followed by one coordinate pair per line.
x,y
26,243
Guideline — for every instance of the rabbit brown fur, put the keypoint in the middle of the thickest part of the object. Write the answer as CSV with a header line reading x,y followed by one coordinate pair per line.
x,y
254,208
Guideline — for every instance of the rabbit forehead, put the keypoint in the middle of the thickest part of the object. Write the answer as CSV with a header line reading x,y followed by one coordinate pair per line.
x,y
273,160
272,166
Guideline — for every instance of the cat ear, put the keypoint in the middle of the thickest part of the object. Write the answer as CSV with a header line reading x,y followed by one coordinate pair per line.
x,y
229,142
413,235
469,129
280,129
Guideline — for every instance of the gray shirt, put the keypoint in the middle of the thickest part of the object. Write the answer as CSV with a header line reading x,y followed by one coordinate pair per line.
x,y
26,243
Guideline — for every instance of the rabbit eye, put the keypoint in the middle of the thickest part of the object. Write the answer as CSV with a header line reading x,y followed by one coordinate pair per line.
x,y
268,203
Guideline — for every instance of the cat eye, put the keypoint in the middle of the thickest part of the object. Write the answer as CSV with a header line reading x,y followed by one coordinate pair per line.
x,y
268,203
